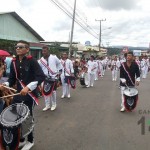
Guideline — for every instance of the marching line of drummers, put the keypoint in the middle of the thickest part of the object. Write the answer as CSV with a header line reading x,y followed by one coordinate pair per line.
x,y
65,71
53,72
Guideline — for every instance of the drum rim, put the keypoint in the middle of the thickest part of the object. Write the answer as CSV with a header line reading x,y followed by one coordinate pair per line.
x,y
127,90
16,123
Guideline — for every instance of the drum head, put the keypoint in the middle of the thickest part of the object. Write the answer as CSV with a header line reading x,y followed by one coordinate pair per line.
x,y
130,92
14,115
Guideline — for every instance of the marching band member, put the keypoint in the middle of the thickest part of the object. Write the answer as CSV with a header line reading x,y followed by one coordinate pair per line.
x,y
104,65
51,67
109,63
129,75
67,72
84,76
101,70
138,62
114,69
27,74
97,69
144,67
91,71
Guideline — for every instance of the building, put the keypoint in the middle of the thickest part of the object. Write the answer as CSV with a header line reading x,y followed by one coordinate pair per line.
x,y
87,50
13,28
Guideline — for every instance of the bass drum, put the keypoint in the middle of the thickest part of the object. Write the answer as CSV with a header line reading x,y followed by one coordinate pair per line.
x,y
130,98
82,79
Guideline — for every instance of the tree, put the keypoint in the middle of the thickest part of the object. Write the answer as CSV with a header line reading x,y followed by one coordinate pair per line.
x,y
113,51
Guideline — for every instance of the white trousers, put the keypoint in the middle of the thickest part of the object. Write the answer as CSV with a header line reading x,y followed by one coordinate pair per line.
x,y
144,72
122,97
91,78
50,100
86,79
96,74
65,86
101,71
114,74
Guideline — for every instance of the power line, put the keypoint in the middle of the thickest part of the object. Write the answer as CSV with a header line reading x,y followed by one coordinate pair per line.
x,y
58,4
77,14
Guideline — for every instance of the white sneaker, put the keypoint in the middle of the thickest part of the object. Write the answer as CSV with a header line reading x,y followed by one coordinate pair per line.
x,y
62,96
87,86
21,144
53,107
28,146
122,109
68,96
46,108
92,85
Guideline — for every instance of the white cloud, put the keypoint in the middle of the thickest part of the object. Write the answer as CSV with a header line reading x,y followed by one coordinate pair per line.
x,y
129,20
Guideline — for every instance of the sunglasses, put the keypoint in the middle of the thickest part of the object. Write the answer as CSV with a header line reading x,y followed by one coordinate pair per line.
x,y
20,47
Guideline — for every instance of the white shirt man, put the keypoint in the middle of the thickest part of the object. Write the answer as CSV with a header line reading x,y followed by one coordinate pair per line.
x,y
144,67
114,68
92,65
52,71
101,67
97,69
66,72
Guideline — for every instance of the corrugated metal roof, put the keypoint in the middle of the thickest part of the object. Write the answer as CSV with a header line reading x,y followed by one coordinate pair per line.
x,y
17,17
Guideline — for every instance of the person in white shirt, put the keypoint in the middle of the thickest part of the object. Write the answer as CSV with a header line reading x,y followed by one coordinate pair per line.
x,y
115,65
51,67
144,67
97,69
67,71
101,70
104,65
92,65
138,62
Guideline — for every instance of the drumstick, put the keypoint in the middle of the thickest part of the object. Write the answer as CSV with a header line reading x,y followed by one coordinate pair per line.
x,y
11,95
9,88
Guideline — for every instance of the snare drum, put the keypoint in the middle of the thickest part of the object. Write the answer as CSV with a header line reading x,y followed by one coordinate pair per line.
x,y
49,85
16,123
130,98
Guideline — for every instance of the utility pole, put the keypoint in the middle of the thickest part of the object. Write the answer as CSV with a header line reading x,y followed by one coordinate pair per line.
x,y
100,32
72,28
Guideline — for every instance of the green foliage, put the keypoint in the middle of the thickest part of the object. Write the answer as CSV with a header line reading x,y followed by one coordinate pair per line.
x,y
54,50
7,45
113,51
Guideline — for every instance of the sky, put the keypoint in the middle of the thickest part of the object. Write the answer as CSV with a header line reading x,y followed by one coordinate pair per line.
x,y
126,22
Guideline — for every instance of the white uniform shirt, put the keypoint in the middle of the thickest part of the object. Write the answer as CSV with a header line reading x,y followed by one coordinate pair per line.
x,y
53,63
67,67
115,64
143,64
92,66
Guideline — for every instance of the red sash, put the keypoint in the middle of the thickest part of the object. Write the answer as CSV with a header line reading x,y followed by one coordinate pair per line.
x,y
127,73
48,68
63,64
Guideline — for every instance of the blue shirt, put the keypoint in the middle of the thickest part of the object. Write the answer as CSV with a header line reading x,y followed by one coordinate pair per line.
x,y
8,61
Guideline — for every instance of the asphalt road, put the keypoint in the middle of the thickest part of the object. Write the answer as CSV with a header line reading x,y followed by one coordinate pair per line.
x,y
91,120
